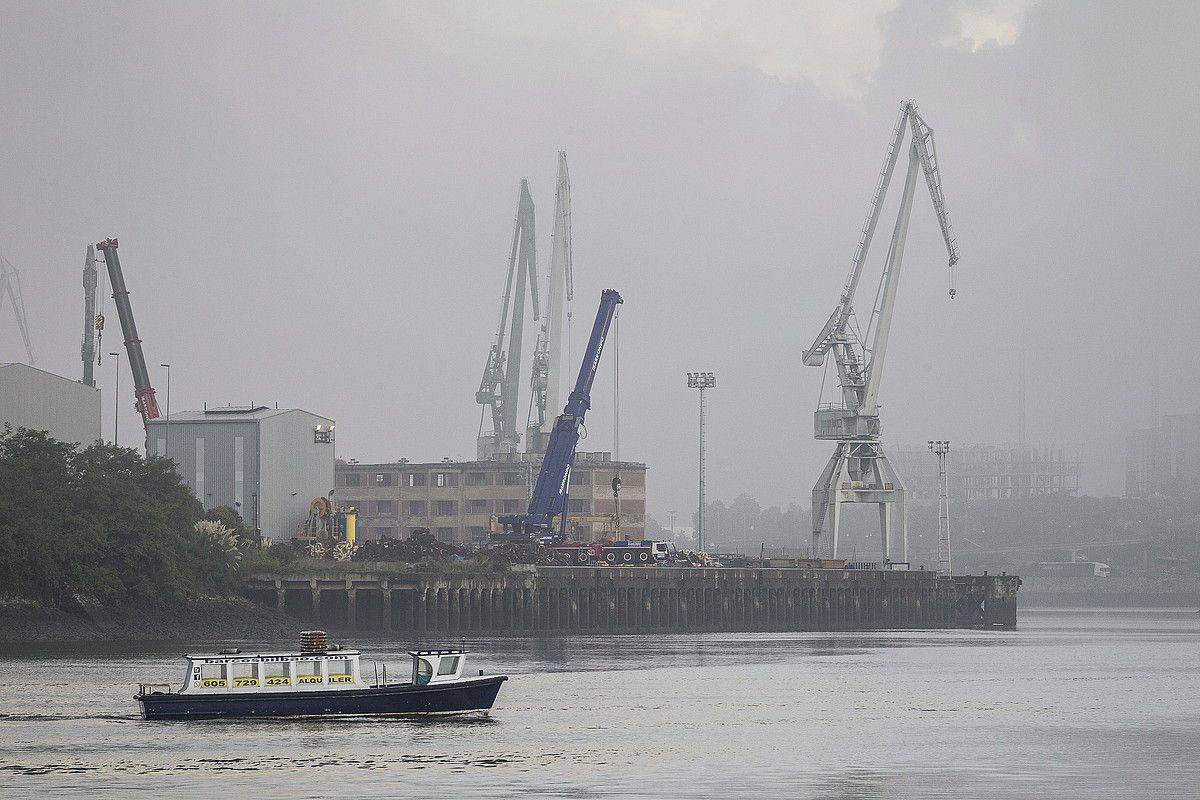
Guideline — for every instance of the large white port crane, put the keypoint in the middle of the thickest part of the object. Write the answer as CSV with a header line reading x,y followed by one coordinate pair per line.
x,y
859,471
502,373
546,378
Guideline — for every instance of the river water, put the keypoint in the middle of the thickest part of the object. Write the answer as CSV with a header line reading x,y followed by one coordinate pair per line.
x,y
1073,704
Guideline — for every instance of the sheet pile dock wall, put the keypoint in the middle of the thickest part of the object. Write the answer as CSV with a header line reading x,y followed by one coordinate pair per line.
x,y
599,600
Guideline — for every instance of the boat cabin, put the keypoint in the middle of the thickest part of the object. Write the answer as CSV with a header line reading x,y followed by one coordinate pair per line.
x,y
233,671
437,666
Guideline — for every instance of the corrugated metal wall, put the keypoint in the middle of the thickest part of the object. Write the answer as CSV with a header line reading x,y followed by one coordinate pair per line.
x,y
206,455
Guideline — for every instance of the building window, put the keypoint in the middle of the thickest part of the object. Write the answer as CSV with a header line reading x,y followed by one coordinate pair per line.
x,y
383,479
416,508
446,508
416,479
351,479
580,478
513,479
384,533
479,535
477,479
384,507
446,534
510,506
479,506
445,479
578,506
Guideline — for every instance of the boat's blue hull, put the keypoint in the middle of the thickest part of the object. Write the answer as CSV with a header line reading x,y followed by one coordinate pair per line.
x,y
477,694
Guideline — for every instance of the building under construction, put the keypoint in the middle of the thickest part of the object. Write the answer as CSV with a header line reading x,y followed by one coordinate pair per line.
x,y
981,472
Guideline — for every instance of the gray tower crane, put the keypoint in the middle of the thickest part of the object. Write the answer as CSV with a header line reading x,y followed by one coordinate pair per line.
x,y
546,380
502,373
10,287
859,471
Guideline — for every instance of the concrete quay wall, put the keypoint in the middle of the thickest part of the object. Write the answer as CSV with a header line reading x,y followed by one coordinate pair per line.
x,y
599,600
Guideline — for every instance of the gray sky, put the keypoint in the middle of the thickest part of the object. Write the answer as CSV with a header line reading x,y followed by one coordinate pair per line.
x,y
314,203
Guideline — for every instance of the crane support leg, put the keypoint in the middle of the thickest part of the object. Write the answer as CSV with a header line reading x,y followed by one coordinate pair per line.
x,y
859,472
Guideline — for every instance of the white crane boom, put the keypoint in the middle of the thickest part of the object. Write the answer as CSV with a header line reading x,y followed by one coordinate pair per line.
x,y
548,356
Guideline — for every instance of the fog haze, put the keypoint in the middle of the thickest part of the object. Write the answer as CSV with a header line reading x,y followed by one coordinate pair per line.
x,y
314,204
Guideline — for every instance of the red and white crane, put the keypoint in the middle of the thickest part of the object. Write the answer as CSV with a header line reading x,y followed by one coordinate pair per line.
x,y
143,392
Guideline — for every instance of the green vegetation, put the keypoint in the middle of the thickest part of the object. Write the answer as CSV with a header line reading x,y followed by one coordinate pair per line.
x,y
104,523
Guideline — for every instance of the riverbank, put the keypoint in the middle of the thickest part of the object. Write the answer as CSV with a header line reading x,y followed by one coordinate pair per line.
x,y
207,619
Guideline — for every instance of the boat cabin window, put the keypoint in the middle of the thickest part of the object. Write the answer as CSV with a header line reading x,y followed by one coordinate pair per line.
x,y
422,671
212,676
243,673
308,672
338,671
275,673
448,665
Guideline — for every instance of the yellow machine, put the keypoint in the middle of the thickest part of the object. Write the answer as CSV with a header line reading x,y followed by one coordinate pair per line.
x,y
324,524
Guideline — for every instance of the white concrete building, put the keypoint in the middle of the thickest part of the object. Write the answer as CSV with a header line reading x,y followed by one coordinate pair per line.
x,y
39,400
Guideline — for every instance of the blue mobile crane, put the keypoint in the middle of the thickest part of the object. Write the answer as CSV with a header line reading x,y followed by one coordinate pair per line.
x,y
549,498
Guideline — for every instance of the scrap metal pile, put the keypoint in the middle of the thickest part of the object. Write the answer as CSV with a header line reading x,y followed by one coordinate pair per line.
x,y
420,546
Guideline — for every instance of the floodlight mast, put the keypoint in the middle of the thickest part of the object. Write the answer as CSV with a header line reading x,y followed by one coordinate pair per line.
x,y
701,381
859,471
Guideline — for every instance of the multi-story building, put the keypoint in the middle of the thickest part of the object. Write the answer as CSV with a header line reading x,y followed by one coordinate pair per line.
x,y
268,464
456,500
42,401
1164,460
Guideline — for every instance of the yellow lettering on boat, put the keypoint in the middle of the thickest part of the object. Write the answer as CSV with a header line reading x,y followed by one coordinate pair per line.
x,y
279,682
308,679
212,683
245,681
341,679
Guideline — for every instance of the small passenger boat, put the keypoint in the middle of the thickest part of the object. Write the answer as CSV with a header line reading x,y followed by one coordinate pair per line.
x,y
319,681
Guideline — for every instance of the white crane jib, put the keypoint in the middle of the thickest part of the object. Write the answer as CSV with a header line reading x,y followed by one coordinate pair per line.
x,y
859,471
546,380
10,287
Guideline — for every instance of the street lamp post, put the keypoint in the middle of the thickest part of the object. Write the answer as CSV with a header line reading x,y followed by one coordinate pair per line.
x,y
168,423
701,381
116,396
941,449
